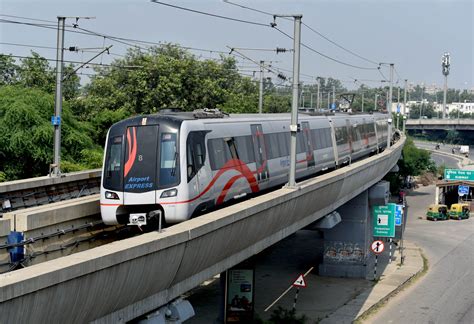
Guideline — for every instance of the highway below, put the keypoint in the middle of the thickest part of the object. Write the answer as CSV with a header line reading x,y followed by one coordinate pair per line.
x,y
446,293
442,159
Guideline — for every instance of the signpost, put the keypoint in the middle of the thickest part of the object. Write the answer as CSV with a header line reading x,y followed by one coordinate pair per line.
x,y
299,282
333,106
384,220
456,174
377,247
463,190
398,215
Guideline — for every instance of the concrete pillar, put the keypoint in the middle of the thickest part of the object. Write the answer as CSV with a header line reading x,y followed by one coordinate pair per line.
x,y
436,195
346,244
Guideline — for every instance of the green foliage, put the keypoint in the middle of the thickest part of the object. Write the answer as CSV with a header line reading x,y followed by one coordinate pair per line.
x,y
415,161
284,316
26,134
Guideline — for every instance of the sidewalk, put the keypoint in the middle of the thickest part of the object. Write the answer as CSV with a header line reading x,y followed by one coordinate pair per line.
x,y
391,281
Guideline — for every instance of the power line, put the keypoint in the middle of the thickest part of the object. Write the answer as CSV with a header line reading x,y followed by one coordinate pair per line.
x,y
77,62
307,26
211,14
27,18
326,56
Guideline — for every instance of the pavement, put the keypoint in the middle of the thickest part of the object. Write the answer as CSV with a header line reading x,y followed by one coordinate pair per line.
x,y
393,278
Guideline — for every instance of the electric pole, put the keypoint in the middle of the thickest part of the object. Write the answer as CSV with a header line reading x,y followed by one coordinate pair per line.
x,y
334,95
445,64
329,99
260,92
318,98
294,103
389,137
58,104
375,102
405,104
362,101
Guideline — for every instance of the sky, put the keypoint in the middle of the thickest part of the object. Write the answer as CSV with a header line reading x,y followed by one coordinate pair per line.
x,y
412,34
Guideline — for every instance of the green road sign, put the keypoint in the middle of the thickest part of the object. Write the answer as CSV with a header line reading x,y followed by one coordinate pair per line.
x,y
384,220
456,174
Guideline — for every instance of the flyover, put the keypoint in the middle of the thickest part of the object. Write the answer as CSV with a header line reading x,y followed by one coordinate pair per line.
x,y
125,279
440,124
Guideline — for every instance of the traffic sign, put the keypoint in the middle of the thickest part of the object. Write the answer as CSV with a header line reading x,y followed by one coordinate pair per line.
x,y
377,247
384,220
456,174
300,282
55,120
463,190
333,106
398,215
398,108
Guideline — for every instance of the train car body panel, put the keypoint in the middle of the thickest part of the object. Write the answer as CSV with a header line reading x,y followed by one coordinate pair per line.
x,y
178,165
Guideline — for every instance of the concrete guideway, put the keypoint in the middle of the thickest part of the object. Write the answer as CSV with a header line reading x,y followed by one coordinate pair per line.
x,y
125,279
440,124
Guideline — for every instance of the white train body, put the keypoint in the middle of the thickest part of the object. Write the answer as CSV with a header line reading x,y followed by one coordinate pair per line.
x,y
179,166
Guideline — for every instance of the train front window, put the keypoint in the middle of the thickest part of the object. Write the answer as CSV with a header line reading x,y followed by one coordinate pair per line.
x,y
113,164
169,160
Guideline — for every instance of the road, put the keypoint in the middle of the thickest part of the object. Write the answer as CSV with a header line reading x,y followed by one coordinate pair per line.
x,y
446,293
443,147
440,159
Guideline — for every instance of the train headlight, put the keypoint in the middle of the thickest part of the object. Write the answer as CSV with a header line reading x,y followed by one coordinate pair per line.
x,y
111,195
169,193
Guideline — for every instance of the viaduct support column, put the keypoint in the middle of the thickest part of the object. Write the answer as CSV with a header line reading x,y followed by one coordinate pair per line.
x,y
347,244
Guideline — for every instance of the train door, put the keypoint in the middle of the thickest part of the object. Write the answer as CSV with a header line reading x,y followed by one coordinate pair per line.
x,y
140,169
260,152
199,175
350,138
308,145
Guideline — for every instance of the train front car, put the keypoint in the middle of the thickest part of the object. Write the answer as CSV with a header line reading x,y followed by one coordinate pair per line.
x,y
141,167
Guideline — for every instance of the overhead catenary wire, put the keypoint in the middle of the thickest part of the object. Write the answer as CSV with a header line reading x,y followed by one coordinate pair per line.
x,y
210,14
307,26
326,56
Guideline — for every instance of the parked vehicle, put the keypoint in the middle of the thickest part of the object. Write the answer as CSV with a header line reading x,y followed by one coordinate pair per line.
x,y
459,211
437,212
464,150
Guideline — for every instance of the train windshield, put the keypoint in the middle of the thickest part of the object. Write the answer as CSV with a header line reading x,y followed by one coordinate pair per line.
x,y
142,160
113,164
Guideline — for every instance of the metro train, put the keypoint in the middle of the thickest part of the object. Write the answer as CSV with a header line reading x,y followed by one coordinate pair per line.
x,y
177,165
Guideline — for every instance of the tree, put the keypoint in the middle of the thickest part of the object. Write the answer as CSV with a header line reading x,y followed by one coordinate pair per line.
x,y
26,135
415,161
35,72
8,70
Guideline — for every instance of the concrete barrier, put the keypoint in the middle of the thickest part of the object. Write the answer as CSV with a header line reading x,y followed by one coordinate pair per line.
x,y
52,219
4,255
125,279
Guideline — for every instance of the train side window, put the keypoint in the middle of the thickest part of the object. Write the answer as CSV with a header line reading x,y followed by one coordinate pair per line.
x,y
195,152
218,152
283,144
245,148
300,146
232,147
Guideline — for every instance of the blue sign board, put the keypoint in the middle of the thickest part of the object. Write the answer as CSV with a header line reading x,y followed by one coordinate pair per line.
x,y
398,215
55,120
398,108
463,190
333,106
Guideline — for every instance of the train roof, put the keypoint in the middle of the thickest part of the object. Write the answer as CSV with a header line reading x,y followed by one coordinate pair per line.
x,y
177,116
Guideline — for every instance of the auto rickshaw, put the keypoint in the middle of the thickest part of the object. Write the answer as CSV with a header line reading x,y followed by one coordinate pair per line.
x,y
459,211
437,212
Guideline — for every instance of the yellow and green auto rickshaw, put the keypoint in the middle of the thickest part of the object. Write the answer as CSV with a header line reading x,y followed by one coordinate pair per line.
x,y
459,211
436,212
